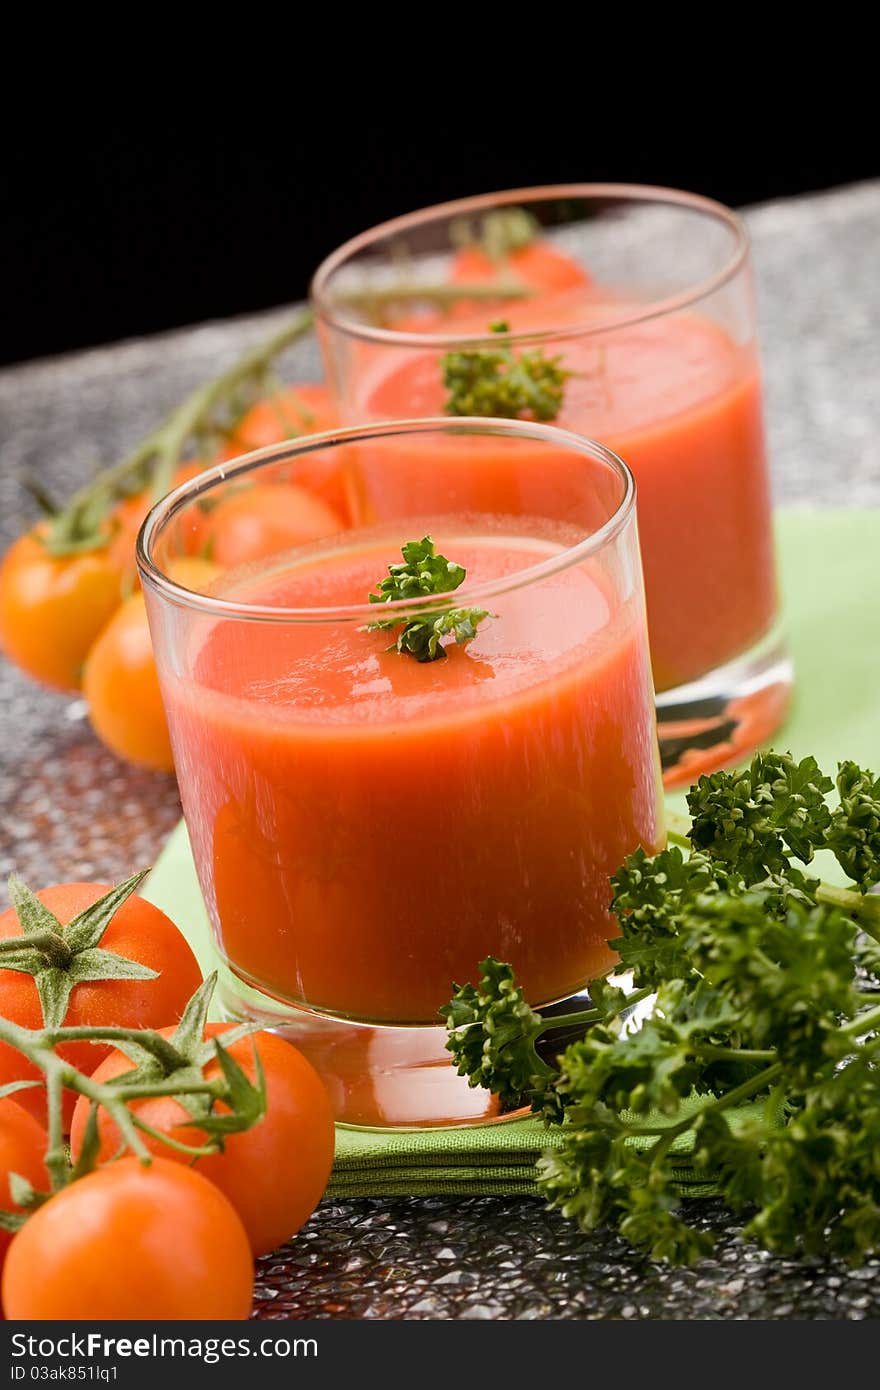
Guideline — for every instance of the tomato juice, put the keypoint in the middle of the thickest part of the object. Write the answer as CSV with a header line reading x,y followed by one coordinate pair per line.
x,y
367,827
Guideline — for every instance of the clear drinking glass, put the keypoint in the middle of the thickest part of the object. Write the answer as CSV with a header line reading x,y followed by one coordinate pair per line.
x,y
366,826
644,298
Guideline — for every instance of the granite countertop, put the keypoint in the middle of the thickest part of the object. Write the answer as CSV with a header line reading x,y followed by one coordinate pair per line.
x,y
70,809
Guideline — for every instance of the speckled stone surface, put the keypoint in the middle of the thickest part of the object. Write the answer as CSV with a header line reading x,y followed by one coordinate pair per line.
x,y
69,809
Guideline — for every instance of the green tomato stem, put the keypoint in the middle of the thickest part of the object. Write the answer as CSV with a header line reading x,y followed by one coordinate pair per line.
x,y
372,300
50,944
56,1155
164,445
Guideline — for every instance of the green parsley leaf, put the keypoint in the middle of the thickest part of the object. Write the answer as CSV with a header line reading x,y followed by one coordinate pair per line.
x,y
854,833
424,572
759,1065
504,384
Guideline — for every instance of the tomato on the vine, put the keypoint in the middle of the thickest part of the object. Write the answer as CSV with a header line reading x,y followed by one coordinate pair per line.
x,y
23,1145
52,607
259,520
306,408
138,931
129,514
131,1242
294,411
538,264
120,681
275,1173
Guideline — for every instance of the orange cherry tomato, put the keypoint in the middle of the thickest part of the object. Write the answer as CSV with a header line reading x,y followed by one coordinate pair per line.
x,y
23,1145
306,408
131,1243
120,681
138,931
258,520
273,1174
53,607
294,410
128,516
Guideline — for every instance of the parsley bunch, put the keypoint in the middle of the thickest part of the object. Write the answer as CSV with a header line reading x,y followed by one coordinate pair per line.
x,y
767,992
500,383
424,572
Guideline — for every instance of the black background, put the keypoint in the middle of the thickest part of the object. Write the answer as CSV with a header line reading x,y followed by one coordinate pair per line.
x,y
108,236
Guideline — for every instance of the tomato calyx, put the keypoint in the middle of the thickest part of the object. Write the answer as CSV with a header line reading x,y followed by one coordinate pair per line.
x,y
163,1067
61,957
182,1062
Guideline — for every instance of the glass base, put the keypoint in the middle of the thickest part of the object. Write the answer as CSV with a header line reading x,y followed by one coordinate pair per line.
x,y
385,1077
378,1076
720,719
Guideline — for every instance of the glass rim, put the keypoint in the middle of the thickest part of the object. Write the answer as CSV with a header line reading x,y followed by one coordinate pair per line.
x,y
328,313
155,578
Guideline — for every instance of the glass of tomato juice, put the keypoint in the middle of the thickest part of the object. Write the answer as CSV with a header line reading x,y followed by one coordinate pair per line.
x,y
642,298
368,826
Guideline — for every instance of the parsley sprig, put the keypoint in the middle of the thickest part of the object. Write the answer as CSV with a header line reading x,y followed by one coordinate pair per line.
x,y
760,1057
504,384
424,572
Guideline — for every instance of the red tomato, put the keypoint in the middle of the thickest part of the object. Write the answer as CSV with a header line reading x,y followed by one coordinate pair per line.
x,y
138,931
23,1145
540,265
120,681
53,607
131,1243
273,1174
263,519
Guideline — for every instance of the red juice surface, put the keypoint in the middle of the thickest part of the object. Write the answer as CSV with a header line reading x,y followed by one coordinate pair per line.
x,y
367,828
680,402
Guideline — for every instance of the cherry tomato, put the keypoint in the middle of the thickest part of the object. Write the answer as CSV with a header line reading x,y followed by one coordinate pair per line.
x,y
258,520
120,682
539,265
129,514
138,931
273,1174
298,410
292,411
53,607
23,1145
131,1243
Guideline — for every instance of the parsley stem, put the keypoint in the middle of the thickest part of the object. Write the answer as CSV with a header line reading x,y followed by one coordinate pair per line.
x,y
864,907
863,1023
678,830
760,1082
556,1021
738,1054
748,1088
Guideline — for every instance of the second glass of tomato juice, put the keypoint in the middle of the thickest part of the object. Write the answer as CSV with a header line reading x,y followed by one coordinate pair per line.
x,y
411,743
626,314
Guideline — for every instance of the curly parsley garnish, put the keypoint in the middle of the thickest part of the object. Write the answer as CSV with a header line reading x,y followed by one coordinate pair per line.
x,y
423,572
767,991
504,384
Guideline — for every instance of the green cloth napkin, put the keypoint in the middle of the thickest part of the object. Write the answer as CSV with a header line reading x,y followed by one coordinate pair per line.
x,y
829,565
